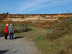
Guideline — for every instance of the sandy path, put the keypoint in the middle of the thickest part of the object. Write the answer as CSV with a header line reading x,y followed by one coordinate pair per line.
x,y
17,46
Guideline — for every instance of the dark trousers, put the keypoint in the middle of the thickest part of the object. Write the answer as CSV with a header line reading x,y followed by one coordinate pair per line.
x,y
11,35
6,35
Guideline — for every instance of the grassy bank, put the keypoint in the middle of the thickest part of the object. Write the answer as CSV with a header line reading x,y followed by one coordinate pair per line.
x,y
62,45
62,28
59,41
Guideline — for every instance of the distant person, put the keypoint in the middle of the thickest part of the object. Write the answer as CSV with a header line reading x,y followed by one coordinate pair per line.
x,y
6,31
11,31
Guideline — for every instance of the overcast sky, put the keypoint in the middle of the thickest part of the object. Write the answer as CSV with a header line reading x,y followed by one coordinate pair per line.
x,y
35,6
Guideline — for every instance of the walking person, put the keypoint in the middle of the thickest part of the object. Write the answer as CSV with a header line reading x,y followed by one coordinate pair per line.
x,y
6,31
11,31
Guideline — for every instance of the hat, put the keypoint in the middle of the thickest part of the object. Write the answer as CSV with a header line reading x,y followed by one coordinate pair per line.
x,y
7,24
10,24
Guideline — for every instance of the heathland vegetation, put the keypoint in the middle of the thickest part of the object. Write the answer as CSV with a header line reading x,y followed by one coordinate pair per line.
x,y
61,28
59,41
51,37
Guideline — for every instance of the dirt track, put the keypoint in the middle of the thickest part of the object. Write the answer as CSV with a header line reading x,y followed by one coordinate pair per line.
x,y
17,46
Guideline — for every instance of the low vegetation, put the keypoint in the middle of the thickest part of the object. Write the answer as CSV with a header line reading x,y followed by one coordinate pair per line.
x,y
21,28
62,45
2,28
60,29
46,24
59,41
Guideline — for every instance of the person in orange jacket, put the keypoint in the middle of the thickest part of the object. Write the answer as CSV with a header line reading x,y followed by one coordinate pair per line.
x,y
6,31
